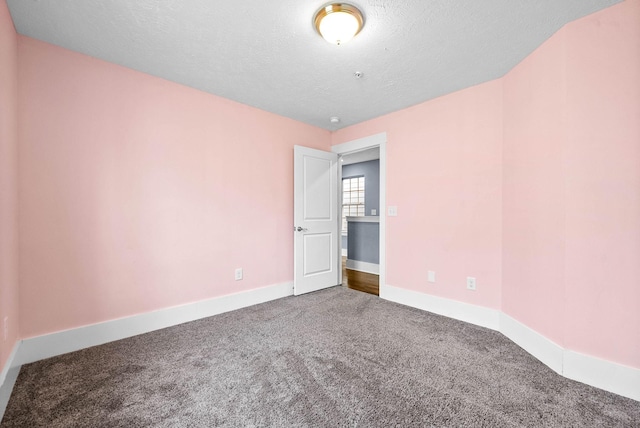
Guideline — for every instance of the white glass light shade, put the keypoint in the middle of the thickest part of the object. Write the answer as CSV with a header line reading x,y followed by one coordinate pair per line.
x,y
338,23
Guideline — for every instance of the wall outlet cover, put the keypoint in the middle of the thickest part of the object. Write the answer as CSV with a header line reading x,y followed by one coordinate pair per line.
x,y
431,276
238,276
471,283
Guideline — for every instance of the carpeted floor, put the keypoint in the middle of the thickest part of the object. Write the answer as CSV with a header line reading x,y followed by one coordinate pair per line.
x,y
333,358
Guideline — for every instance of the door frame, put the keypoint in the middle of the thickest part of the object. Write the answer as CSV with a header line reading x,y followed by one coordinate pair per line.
x,y
377,140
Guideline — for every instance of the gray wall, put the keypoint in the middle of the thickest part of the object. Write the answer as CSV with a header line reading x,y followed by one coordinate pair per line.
x,y
364,242
371,172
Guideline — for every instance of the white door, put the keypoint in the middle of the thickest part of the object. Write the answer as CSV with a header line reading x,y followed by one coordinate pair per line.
x,y
315,215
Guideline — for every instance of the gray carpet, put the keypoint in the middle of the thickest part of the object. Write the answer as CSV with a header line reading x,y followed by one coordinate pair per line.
x,y
333,358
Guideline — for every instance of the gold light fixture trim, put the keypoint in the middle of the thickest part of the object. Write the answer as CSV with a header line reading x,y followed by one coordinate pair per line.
x,y
338,22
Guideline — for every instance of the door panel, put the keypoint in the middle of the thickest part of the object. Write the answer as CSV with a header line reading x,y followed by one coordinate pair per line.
x,y
316,220
318,251
317,189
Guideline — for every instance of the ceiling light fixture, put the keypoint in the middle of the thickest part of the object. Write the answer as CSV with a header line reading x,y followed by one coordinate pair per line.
x,y
338,23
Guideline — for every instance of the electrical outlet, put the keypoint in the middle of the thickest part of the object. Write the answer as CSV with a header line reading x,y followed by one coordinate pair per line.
x,y
471,283
392,211
431,276
374,211
5,328
238,274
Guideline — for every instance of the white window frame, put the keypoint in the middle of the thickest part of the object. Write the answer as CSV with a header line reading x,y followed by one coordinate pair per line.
x,y
356,209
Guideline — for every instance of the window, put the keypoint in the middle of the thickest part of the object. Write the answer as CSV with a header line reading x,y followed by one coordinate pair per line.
x,y
352,199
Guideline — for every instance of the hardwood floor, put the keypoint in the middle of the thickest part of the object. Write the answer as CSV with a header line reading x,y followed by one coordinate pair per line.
x,y
361,281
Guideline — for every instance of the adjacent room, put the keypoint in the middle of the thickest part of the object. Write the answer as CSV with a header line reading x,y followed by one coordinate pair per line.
x,y
461,247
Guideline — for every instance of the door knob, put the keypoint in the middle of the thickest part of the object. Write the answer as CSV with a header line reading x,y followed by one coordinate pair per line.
x,y
300,229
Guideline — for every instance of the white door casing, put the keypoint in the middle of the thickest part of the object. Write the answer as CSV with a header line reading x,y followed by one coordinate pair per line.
x,y
316,220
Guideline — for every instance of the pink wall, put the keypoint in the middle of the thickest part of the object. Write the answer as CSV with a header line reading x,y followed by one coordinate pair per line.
x,y
533,190
572,187
8,183
444,173
559,136
602,182
138,194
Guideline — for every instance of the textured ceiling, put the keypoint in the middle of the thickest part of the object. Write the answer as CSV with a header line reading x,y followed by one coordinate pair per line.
x,y
266,53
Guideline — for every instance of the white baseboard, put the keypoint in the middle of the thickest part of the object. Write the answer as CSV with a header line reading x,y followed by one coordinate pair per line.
x,y
603,374
478,315
363,266
50,345
7,388
612,377
10,363
545,350
8,378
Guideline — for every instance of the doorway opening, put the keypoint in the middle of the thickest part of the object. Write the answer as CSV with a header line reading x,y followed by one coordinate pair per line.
x,y
360,225
362,190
